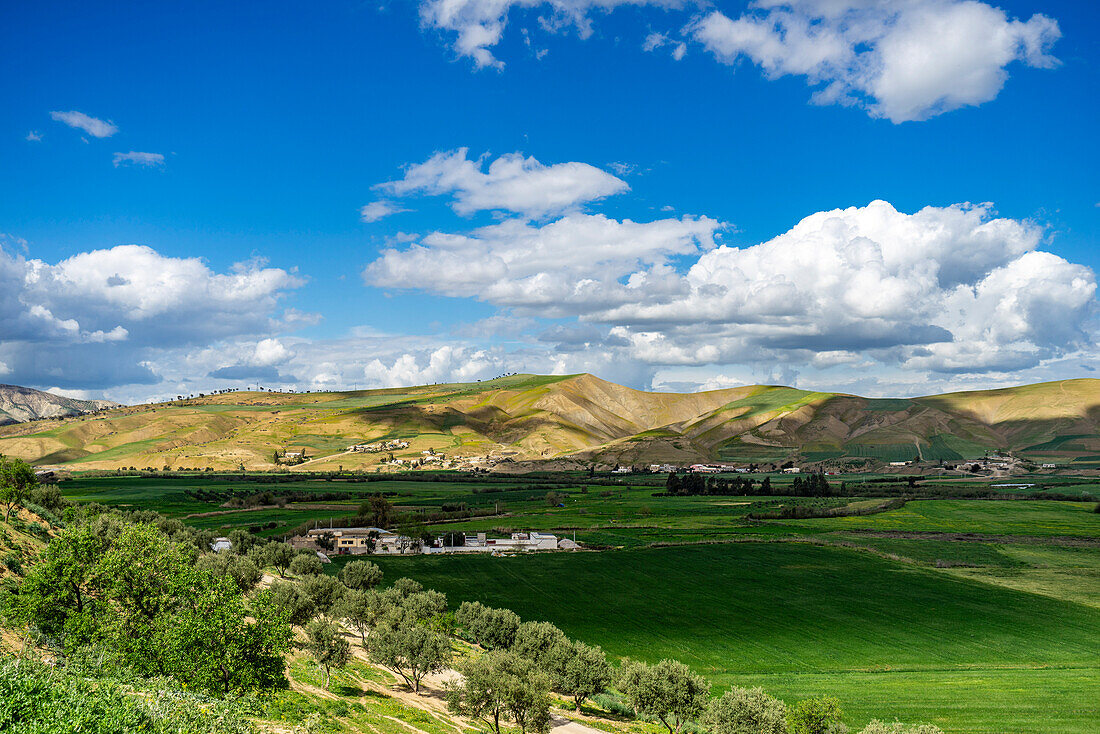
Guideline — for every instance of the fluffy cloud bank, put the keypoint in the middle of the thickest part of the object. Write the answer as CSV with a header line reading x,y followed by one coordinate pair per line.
x,y
566,267
902,60
99,318
945,289
906,60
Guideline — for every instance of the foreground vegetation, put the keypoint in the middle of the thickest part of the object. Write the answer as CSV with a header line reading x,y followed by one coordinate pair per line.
x,y
975,615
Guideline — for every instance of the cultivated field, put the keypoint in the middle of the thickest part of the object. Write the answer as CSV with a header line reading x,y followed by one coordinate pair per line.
x,y
978,615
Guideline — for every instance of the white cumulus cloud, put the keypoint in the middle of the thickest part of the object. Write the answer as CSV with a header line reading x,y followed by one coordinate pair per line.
x,y
904,60
570,264
900,59
512,182
92,125
100,317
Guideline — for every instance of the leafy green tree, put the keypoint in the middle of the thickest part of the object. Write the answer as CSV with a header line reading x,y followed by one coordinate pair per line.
x,y
489,627
306,565
240,569
668,691
140,597
537,640
817,716
297,607
361,575
746,711
59,595
361,610
324,592
582,673
327,647
412,651
502,685
215,646
377,510
16,482
279,555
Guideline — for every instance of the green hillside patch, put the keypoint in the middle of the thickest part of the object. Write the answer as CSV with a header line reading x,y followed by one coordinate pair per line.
x,y
891,405
800,616
774,400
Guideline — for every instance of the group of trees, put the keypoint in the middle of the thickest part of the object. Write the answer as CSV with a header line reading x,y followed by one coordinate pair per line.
x,y
677,485
144,602
524,663
403,628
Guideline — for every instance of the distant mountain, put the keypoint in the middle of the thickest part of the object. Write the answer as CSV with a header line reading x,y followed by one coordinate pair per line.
x,y
572,420
20,404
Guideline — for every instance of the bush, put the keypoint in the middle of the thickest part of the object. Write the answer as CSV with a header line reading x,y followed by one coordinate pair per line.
x,y
14,563
306,565
35,699
817,716
746,711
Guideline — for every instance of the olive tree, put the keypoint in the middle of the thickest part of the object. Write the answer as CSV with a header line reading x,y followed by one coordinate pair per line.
x,y
581,671
279,555
293,602
502,685
16,482
327,647
489,627
746,711
361,575
410,650
244,573
324,592
668,691
306,565
538,641
817,716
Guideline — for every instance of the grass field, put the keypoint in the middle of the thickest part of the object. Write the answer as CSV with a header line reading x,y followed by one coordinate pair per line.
x,y
803,619
1005,517
990,635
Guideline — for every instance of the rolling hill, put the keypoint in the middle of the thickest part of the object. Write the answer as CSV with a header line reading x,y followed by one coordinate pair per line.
x,y
572,420
20,404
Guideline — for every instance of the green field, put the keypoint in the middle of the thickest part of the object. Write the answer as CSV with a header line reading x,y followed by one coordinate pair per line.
x,y
899,614
1003,517
799,618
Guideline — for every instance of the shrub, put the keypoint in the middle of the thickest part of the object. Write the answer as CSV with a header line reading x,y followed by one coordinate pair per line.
x,y
746,711
36,699
306,565
817,716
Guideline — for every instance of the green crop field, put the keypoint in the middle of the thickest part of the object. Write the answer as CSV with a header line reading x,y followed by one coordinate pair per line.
x,y
888,639
899,614
1005,517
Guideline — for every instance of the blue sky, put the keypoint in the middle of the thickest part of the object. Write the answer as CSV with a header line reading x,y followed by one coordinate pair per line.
x,y
246,141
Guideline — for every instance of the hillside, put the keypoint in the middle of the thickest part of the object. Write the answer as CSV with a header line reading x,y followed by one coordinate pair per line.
x,y
571,420
20,404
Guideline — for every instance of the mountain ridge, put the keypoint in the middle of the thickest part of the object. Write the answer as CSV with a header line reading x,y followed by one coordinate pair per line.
x,y
574,420
21,404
